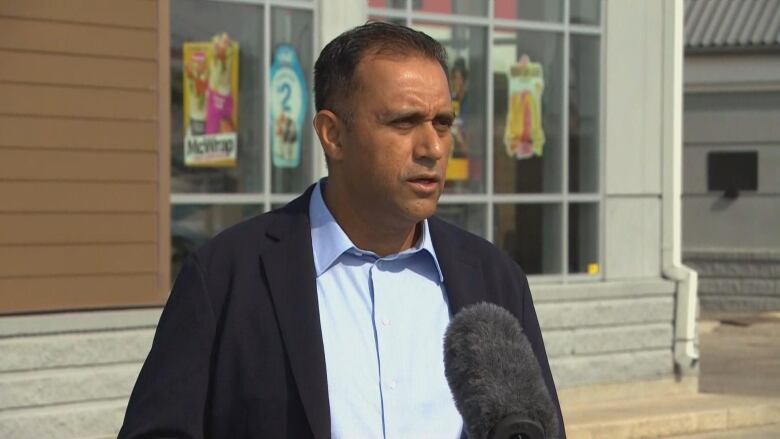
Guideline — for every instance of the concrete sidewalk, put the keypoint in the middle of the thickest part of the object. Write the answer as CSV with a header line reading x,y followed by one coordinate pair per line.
x,y
739,391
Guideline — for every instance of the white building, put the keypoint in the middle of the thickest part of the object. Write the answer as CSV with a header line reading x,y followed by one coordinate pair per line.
x,y
731,209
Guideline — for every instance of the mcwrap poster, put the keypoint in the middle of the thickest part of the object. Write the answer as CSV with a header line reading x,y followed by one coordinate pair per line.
x,y
524,134
289,103
210,102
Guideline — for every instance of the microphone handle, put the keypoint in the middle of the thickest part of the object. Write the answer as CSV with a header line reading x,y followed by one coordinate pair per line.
x,y
516,427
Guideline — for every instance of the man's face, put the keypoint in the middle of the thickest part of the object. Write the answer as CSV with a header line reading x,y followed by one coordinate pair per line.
x,y
397,144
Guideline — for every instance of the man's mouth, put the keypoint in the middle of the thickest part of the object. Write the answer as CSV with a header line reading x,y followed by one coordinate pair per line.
x,y
425,183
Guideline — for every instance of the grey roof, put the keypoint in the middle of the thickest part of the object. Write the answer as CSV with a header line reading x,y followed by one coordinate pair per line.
x,y
732,24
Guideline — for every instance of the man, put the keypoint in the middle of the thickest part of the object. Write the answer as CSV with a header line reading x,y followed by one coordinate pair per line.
x,y
325,318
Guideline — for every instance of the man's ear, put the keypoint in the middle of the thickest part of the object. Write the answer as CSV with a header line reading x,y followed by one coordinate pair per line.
x,y
330,130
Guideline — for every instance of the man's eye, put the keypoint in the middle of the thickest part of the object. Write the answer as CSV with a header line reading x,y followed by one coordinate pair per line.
x,y
403,124
443,124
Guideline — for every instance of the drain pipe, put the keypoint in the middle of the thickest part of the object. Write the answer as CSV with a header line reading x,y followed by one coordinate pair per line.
x,y
686,353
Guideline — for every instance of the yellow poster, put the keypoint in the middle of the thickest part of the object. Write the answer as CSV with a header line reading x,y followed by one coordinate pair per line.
x,y
458,164
210,102
524,134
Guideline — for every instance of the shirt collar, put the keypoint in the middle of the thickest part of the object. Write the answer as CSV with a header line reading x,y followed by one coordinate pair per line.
x,y
329,240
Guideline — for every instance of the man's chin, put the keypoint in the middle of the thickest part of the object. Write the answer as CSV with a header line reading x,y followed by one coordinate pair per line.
x,y
422,211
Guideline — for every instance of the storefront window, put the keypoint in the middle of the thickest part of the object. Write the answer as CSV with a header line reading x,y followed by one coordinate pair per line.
x,y
531,234
241,109
469,216
528,149
584,120
292,152
527,105
465,7
585,12
199,23
392,4
526,86
583,241
532,10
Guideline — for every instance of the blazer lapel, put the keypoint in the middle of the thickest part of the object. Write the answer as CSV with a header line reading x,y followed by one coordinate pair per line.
x,y
289,268
461,269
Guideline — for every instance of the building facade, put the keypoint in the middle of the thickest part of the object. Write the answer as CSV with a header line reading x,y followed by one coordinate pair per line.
x,y
731,204
568,156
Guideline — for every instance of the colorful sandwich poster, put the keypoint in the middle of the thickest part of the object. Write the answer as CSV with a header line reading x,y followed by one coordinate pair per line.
x,y
524,134
289,103
210,102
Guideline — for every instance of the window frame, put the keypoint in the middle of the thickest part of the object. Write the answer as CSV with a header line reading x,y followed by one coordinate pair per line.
x,y
265,198
489,199
564,198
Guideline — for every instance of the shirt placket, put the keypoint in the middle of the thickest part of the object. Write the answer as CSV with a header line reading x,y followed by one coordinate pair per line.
x,y
386,336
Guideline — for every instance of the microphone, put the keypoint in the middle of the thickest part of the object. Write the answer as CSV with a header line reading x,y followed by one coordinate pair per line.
x,y
495,378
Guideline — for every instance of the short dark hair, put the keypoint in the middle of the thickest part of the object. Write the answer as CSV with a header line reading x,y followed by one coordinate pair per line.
x,y
334,71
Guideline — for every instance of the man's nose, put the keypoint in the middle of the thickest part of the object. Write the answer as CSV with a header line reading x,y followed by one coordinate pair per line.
x,y
431,143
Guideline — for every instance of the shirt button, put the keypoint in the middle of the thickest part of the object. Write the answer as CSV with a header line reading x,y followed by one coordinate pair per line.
x,y
386,321
391,385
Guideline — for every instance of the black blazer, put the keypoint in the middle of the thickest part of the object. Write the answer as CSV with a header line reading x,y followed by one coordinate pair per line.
x,y
238,351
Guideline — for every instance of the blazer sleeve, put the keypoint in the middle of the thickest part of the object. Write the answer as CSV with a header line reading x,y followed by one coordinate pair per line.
x,y
169,397
533,332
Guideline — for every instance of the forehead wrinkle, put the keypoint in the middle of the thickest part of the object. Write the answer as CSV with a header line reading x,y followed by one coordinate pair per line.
x,y
413,91
411,98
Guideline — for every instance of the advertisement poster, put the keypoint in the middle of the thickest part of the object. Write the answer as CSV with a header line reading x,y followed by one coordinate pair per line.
x,y
289,102
458,164
210,102
524,134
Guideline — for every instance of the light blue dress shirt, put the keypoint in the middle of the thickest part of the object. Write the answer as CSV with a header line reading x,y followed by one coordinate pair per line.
x,y
383,322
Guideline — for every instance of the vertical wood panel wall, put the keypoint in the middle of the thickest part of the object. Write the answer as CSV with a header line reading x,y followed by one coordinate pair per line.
x,y
83,154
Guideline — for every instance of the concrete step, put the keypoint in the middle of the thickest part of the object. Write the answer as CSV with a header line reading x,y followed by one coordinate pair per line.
x,y
763,432
67,385
668,417
37,352
88,420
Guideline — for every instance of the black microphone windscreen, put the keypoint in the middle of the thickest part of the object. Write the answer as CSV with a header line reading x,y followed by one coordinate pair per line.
x,y
493,372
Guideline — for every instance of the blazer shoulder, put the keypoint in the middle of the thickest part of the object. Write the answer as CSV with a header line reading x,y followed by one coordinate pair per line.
x,y
247,236
251,236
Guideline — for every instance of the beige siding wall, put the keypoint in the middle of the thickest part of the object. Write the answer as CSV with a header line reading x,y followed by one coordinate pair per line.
x,y
83,160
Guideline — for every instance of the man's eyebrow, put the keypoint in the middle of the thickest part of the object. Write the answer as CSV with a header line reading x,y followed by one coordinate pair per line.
x,y
446,114
394,116
415,115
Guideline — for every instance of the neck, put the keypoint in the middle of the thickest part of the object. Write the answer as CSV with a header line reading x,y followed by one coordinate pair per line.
x,y
367,231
